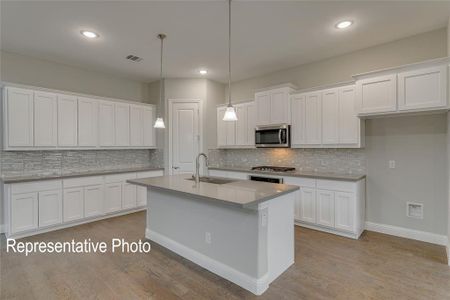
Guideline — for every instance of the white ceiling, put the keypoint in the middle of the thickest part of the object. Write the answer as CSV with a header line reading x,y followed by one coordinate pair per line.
x,y
267,35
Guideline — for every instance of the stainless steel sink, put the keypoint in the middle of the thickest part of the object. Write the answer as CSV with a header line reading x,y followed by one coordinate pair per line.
x,y
215,180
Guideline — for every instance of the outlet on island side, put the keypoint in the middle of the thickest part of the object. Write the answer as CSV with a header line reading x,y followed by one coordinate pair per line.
x,y
208,238
392,164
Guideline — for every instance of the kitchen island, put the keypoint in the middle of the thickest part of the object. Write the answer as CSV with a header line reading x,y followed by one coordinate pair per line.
x,y
240,230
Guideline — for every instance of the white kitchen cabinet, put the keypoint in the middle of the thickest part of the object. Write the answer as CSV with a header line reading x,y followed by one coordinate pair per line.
x,y
93,201
239,134
230,128
106,124
377,94
113,197
313,119
423,88
141,192
73,204
24,212
325,208
128,196
298,120
330,117
350,126
67,121
251,123
87,122
50,208
136,126
122,124
344,211
45,119
18,117
241,125
273,106
221,127
307,205
148,116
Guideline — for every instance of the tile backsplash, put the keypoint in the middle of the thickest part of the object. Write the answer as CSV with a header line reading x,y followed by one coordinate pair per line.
x,y
17,163
346,161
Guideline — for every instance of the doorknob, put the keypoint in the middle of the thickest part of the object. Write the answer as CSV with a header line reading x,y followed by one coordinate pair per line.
x,y
175,168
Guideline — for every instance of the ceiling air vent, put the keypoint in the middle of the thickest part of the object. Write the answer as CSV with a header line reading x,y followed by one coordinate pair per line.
x,y
134,58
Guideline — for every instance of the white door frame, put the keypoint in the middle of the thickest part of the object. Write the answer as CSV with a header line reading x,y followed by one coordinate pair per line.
x,y
200,127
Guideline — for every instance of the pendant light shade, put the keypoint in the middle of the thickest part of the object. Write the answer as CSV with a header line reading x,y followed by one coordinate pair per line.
x,y
230,113
159,123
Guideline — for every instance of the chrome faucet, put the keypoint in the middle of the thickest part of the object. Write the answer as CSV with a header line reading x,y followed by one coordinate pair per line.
x,y
197,166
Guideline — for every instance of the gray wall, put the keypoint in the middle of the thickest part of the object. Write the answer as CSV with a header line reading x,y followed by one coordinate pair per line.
x,y
41,73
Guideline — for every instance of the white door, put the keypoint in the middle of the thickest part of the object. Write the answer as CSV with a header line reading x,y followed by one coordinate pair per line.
x,y
113,197
128,196
122,124
148,116
251,123
378,94
73,204
330,117
185,142
241,125
344,213
20,117
230,132
50,208
221,128
45,119
279,107
67,121
141,196
307,207
298,120
313,118
349,123
106,124
136,126
93,201
325,208
24,212
263,104
87,122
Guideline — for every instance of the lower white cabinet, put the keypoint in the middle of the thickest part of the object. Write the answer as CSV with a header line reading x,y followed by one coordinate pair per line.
x,y
129,196
73,204
24,212
344,211
93,201
50,208
305,205
325,208
113,197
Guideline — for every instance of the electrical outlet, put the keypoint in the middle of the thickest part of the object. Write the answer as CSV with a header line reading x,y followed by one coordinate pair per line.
x,y
392,164
208,238
414,210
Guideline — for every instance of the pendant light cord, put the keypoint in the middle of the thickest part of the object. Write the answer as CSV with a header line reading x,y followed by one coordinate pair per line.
x,y
161,37
229,52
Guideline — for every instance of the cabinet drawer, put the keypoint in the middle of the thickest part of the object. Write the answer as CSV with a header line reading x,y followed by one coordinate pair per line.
x,y
344,186
35,186
82,181
119,177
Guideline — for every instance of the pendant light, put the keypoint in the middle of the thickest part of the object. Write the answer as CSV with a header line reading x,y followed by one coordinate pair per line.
x,y
230,113
159,123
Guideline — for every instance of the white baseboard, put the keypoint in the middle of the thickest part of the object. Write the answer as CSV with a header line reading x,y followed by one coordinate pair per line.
x,y
255,285
408,233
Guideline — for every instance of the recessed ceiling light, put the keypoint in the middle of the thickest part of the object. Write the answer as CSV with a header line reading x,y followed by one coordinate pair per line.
x,y
344,24
89,34
203,72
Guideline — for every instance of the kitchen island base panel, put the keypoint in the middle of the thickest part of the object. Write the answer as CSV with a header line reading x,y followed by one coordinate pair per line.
x,y
249,247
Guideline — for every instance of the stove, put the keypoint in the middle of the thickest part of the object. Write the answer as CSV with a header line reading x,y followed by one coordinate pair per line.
x,y
273,169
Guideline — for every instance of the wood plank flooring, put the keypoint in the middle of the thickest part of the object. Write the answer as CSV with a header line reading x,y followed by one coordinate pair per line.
x,y
326,267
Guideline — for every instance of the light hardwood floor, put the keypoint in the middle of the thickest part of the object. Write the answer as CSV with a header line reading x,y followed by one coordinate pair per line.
x,y
326,267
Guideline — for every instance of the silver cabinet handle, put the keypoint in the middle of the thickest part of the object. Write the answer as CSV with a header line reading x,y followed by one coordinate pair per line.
x,y
175,168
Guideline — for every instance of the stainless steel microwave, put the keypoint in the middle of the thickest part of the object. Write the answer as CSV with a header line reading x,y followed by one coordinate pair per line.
x,y
273,136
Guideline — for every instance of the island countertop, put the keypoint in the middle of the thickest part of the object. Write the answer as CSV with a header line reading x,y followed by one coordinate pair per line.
x,y
240,193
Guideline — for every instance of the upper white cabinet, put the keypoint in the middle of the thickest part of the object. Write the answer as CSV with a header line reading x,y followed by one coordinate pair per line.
x,y
330,116
313,118
41,120
273,107
239,134
412,88
67,121
350,127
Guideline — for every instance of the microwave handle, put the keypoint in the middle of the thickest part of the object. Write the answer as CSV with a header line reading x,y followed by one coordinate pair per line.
x,y
279,136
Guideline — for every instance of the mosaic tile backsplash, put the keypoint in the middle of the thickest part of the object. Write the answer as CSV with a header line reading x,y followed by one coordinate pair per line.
x,y
344,161
19,163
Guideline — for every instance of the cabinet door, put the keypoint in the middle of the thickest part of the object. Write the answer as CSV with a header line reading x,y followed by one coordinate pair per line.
x,y
378,94
73,204
298,119
279,107
93,201
128,196
313,119
50,208
263,106
424,88
330,116
122,124
344,213
221,128
325,208
106,124
24,212
136,126
349,123
251,124
241,125
141,196
230,132
148,116
307,206
45,119
87,122
19,115
67,121
113,197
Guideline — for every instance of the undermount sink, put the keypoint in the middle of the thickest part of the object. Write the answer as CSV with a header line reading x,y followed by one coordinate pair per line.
x,y
215,180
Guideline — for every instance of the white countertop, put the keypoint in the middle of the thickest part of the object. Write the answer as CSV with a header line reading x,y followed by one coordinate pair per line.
x,y
241,193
